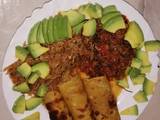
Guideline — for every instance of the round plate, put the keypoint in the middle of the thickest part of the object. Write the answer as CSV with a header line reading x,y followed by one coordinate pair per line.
x,y
51,8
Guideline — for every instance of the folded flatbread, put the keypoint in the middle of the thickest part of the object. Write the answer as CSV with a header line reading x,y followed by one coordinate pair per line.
x,y
76,99
56,106
101,98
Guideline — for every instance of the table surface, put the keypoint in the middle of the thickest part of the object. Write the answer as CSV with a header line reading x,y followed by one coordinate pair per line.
x,y
13,13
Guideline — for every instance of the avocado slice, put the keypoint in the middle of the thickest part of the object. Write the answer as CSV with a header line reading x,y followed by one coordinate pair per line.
x,y
152,45
148,87
140,97
19,105
33,102
136,63
89,28
123,83
110,8
42,68
146,69
21,53
74,17
99,10
45,30
91,11
24,69
50,30
138,80
33,78
132,110
114,24
78,28
134,72
32,37
108,16
33,116
22,87
61,28
37,50
42,90
134,35
40,37
143,56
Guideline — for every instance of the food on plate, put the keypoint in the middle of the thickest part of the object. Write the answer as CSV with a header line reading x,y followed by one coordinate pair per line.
x,y
76,98
132,110
77,62
33,116
56,106
101,98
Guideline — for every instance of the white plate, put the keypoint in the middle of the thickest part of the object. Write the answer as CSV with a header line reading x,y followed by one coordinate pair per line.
x,y
51,8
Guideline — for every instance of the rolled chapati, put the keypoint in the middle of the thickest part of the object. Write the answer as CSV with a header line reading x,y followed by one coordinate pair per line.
x,y
56,106
101,99
76,99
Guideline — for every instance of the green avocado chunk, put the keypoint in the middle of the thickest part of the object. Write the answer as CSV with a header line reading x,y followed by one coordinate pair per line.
x,y
74,17
91,11
45,30
148,87
134,35
24,69
134,72
114,24
146,69
152,45
50,30
33,116
21,53
32,37
40,37
42,68
143,56
140,97
89,28
136,63
62,28
109,15
42,90
132,110
33,102
33,78
138,80
37,50
19,105
110,8
123,83
78,28
22,87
